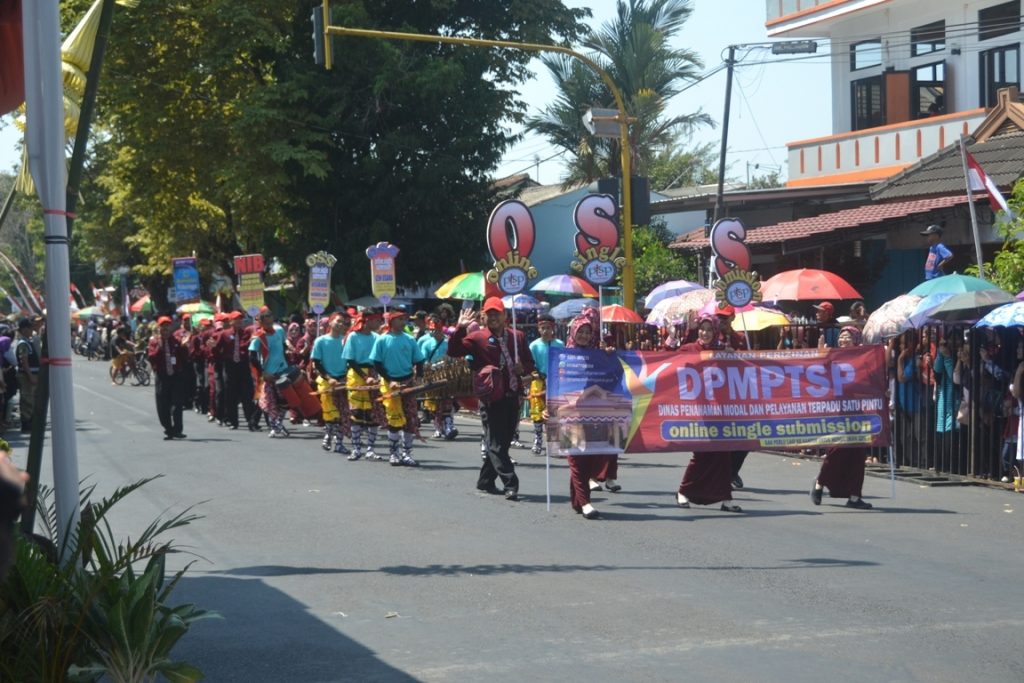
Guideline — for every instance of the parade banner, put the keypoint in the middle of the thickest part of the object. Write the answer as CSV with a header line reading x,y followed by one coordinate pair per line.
x,y
249,270
186,280
382,271
716,400
320,264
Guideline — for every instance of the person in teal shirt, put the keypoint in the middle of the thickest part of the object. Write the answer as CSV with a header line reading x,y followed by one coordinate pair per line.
x,y
359,373
538,386
440,411
326,357
397,358
266,354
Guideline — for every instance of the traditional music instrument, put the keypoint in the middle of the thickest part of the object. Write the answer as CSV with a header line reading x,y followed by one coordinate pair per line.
x,y
450,378
293,387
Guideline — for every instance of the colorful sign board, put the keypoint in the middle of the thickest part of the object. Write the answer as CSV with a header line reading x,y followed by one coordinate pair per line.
x,y
511,234
249,270
185,272
737,285
382,271
598,256
717,400
320,264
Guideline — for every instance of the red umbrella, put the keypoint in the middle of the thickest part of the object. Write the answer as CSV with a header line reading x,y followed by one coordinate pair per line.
x,y
615,313
807,284
143,305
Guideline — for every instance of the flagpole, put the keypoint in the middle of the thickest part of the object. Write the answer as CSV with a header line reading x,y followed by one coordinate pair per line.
x,y
970,205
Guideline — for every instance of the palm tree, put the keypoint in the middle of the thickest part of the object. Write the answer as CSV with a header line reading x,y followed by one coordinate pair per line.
x,y
634,50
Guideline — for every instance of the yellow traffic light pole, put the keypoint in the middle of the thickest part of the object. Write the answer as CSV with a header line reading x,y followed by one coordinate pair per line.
x,y
627,200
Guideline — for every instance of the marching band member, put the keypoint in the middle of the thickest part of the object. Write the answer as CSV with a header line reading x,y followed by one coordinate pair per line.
x,y
359,374
397,358
538,385
233,351
708,477
434,347
167,357
266,354
326,357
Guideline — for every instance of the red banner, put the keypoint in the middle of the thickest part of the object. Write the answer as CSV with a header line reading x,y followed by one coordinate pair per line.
x,y
753,400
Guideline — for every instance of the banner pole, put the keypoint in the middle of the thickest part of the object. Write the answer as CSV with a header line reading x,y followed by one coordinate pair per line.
x,y
547,470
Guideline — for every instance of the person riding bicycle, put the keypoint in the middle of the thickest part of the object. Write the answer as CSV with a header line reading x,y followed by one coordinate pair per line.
x,y
124,351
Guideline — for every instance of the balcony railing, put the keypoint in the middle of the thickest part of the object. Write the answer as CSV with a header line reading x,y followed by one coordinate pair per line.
x,y
875,153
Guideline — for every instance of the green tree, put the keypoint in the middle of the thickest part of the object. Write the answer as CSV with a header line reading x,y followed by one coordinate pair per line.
x,y
220,136
654,262
634,50
674,167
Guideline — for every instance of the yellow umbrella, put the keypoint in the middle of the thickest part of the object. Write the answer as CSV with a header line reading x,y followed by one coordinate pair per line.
x,y
756,319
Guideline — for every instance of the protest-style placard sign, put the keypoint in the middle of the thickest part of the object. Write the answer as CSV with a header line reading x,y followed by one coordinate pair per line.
x,y
382,271
185,272
320,264
249,270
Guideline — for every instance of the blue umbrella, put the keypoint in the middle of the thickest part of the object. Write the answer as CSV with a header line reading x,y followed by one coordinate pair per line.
x,y
1010,315
669,290
572,308
521,302
952,284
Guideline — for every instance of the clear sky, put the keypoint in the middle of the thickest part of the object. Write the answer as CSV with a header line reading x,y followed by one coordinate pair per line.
x,y
772,103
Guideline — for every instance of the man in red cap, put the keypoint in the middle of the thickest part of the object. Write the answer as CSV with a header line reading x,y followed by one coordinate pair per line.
x,y
502,353
828,331
266,355
326,358
233,350
184,335
168,357
360,374
398,358
197,350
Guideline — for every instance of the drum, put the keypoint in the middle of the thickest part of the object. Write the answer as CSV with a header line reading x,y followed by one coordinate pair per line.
x,y
288,377
454,373
299,395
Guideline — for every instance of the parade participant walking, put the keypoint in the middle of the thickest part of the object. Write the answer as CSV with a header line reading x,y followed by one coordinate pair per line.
x,y
326,357
538,385
184,334
197,356
359,375
494,352
434,347
215,371
842,471
708,476
167,357
266,354
233,351
398,358
28,372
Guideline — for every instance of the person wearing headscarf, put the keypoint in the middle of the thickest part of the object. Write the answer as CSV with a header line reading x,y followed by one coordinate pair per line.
x,y
586,470
360,374
291,343
842,471
708,476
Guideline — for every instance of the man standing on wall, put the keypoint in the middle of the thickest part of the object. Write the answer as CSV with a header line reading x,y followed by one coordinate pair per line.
x,y
938,255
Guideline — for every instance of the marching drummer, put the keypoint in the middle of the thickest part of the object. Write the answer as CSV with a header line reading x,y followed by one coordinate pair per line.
x,y
326,357
434,347
397,358
266,354
538,386
360,375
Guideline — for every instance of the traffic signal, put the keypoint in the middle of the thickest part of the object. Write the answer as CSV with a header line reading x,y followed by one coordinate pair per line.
x,y
318,36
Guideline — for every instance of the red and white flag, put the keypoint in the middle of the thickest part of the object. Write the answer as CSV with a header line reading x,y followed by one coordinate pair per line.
x,y
979,181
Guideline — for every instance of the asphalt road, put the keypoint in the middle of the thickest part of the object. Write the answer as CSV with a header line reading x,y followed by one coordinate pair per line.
x,y
326,570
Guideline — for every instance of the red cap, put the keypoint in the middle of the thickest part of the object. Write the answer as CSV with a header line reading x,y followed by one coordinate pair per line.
x,y
206,322
392,315
494,303
163,320
233,315
725,312
186,316
826,306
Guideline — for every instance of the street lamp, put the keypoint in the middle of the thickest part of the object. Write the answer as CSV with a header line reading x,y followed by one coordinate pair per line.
x,y
627,207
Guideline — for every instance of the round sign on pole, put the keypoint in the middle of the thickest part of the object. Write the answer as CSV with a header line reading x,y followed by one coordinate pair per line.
x,y
599,272
384,299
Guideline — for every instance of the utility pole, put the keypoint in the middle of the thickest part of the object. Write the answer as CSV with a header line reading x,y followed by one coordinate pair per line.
x,y
730,63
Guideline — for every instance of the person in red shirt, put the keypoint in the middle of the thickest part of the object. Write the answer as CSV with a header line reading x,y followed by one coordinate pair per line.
x,y
168,357
233,350
499,347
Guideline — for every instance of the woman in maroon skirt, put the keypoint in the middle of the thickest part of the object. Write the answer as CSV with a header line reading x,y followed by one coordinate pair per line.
x,y
708,477
842,472
583,469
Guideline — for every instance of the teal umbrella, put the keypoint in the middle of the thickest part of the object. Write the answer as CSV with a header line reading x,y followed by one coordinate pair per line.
x,y
952,284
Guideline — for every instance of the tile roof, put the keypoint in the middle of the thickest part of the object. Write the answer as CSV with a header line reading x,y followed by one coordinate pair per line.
x,y
1002,157
823,224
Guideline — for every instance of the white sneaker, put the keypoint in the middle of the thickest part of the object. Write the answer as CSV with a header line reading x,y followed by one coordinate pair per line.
x,y
1005,480
307,423
437,433
516,443
595,485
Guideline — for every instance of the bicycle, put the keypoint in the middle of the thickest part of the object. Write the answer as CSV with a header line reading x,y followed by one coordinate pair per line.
x,y
138,371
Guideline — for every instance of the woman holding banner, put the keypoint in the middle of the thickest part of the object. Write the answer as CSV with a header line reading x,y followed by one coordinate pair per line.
x,y
842,472
584,470
708,477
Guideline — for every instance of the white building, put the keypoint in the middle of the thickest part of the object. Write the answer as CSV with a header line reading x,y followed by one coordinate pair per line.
x,y
909,77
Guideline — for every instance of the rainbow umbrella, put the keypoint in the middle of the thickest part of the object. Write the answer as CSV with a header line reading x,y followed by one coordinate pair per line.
x,y
565,284
197,307
464,286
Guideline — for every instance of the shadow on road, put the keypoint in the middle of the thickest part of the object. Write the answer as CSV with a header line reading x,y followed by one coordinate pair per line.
x,y
268,636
